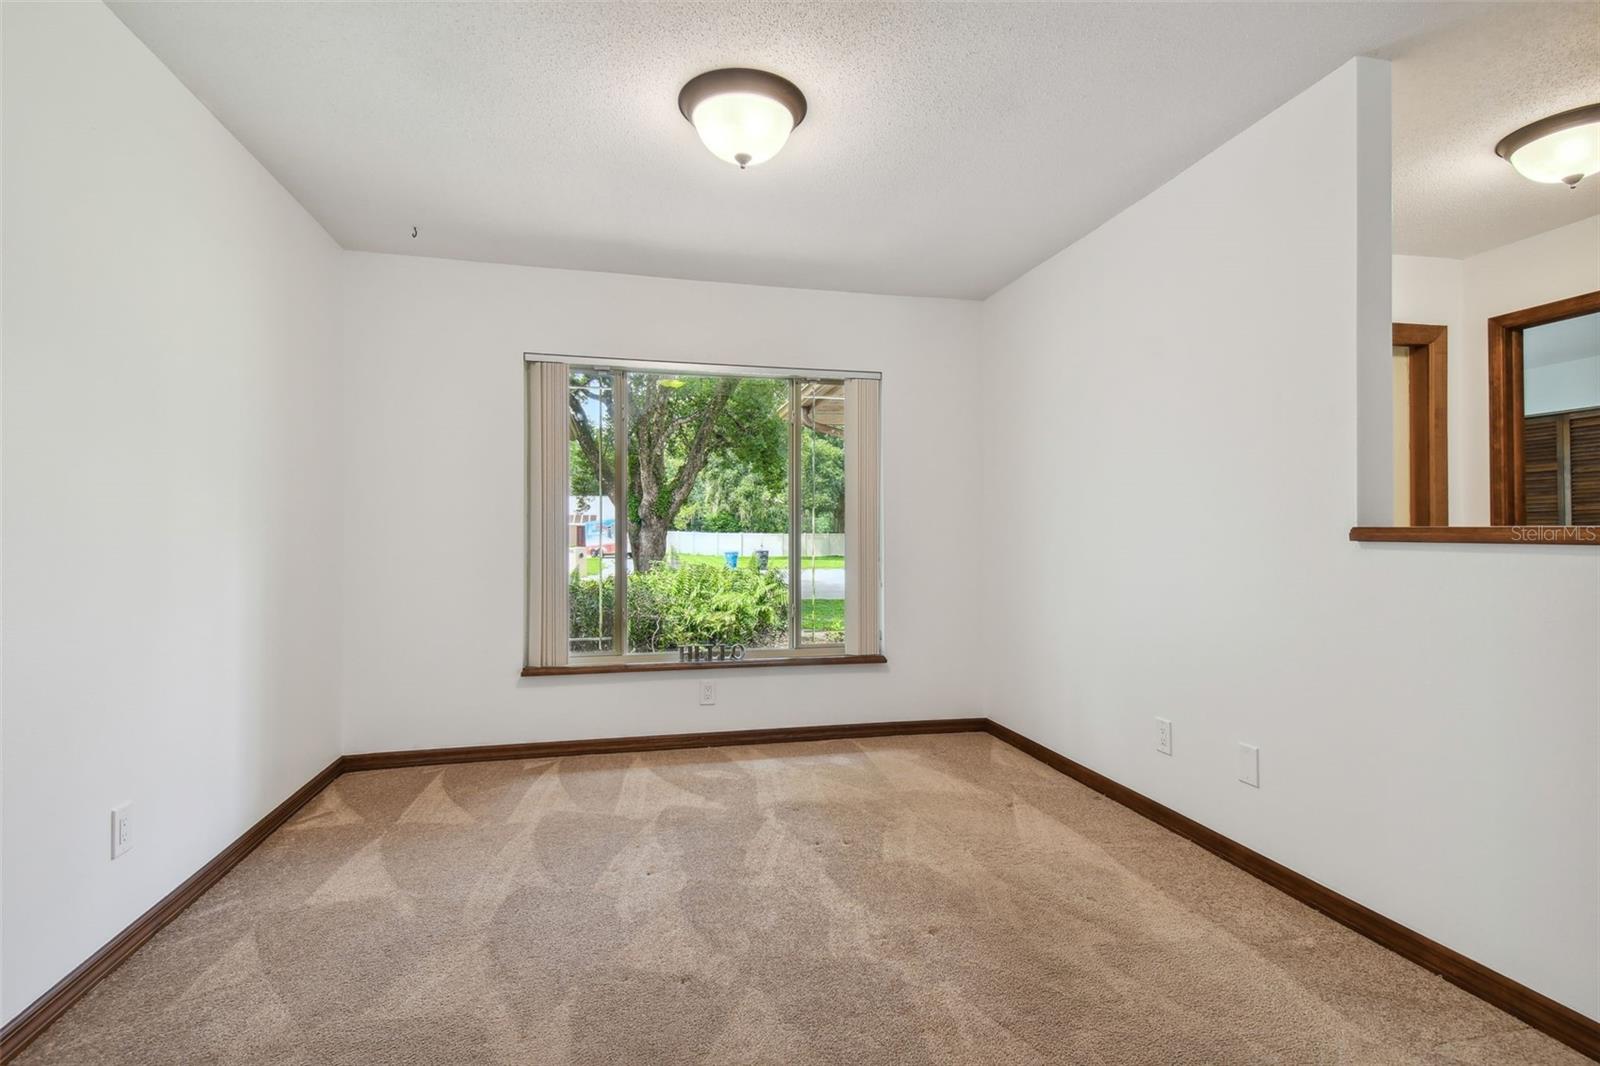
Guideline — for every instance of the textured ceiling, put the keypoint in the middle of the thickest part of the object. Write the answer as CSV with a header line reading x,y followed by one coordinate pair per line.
x,y
949,147
1456,94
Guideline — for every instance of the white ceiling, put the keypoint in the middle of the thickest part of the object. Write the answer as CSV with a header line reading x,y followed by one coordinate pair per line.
x,y
1456,93
948,147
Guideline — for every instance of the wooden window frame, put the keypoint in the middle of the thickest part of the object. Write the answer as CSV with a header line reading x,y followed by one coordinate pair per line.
x,y
1427,349
1507,491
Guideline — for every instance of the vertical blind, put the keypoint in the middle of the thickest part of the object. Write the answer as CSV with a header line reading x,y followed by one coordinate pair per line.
x,y
548,454
863,595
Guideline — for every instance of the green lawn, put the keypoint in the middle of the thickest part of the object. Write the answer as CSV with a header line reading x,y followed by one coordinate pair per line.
x,y
825,615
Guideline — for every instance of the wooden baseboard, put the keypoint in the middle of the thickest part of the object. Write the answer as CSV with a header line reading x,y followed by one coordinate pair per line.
x,y
387,760
37,1016
1539,1011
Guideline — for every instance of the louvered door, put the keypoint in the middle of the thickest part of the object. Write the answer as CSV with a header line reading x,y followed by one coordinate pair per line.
x,y
1583,461
1561,468
1541,470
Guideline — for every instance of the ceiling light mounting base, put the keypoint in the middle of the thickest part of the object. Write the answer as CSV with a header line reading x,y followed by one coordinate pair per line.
x,y
742,80
1558,150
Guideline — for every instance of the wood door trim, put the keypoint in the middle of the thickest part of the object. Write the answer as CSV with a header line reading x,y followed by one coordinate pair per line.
x,y
1429,447
1507,491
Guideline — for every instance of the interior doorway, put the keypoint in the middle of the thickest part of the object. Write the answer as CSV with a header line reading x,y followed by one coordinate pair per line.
x,y
1422,446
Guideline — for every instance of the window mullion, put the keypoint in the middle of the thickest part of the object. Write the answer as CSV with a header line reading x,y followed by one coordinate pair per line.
x,y
620,432
794,513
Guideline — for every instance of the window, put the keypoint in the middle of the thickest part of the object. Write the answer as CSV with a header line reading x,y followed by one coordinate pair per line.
x,y
685,515
1561,422
1544,414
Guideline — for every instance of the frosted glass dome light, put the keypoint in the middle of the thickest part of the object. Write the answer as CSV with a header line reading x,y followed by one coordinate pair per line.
x,y
742,128
1560,150
743,116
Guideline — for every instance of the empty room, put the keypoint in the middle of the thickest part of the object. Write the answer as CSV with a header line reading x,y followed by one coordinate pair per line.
x,y
742,533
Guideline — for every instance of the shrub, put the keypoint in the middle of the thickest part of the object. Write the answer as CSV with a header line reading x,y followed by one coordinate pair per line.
x,y
698,603
589,606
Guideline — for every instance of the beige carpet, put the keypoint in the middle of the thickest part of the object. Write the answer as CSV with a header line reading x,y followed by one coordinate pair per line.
x,y
910,900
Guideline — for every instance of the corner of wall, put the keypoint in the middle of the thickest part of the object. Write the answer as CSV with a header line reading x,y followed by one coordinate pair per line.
x,y
170,408
1371,346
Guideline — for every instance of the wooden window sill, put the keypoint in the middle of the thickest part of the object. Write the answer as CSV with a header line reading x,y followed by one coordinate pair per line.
x,y
1568,536
741,664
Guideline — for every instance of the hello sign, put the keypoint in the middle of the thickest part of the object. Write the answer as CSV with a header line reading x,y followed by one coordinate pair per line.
x,y
710,653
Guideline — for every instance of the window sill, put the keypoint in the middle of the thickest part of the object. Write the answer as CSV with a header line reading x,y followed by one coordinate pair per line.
x,y
742,664
1568,536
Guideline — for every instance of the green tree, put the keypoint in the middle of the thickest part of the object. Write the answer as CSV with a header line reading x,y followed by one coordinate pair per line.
x,y
676,427
822,483
733,497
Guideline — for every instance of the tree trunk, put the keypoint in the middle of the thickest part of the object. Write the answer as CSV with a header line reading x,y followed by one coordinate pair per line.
x,y
650,544
661,499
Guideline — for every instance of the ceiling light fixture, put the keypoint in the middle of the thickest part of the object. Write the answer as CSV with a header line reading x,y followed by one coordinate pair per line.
x,y
1562,149
744,116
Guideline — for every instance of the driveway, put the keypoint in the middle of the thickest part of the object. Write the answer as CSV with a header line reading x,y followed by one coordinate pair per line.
x,y
821,584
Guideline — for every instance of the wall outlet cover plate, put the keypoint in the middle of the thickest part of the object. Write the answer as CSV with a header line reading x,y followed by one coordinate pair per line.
x,y
1250,765
121,829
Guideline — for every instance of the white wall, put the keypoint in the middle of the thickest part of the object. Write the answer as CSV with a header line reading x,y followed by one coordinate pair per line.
x,y
169,521
193,372
1427,292
1563,262
1464,295
1428,715
433,423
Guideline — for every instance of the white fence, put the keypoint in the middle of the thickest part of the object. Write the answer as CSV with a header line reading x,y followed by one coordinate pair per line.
x,y
749,543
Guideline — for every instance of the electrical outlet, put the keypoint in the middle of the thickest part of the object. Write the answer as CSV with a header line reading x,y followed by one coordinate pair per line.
x,y
121,829
1164,736
708,693
1250,765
